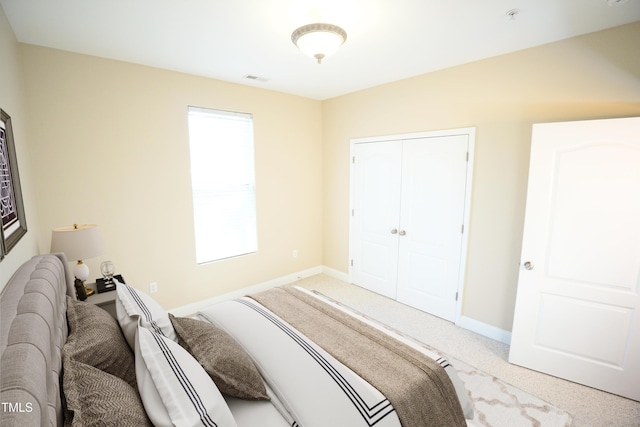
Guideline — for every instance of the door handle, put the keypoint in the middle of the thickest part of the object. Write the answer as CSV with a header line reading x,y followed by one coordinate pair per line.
x,y
403,233
528,265
394,231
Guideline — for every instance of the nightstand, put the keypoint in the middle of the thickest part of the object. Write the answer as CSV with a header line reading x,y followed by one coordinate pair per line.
x,y
105,300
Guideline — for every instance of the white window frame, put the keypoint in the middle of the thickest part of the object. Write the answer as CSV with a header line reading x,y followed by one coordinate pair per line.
x,y
223,183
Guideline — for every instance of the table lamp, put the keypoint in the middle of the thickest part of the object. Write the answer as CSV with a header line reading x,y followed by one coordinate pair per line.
x,y
77,243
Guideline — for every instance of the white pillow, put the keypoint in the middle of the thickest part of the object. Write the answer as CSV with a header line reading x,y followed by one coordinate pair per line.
x,y
174,388
132,304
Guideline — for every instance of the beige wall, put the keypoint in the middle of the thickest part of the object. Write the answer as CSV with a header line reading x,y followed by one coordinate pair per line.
x,y
12,102
110,146
589,77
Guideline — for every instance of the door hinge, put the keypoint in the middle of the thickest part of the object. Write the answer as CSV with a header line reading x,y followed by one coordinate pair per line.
x,y
353,212
462,229
467,156
353,159
351,263
456,295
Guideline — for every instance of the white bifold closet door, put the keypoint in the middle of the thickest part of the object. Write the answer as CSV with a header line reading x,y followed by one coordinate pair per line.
x,y
577,310
376,175
408,205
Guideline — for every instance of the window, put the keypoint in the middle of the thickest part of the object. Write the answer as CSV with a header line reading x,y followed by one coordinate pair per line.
x,y
223,183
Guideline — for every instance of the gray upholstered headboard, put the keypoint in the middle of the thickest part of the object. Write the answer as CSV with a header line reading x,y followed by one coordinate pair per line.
x,y
33,330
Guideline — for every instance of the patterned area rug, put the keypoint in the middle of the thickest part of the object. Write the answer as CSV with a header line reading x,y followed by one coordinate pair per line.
x,y
498,404
495,403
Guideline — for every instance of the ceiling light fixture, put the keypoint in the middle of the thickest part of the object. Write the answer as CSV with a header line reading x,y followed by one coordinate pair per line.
x,y
319,40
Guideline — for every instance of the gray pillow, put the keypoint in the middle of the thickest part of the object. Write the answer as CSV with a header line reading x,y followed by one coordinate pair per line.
x,y
96,398
221,356
95,339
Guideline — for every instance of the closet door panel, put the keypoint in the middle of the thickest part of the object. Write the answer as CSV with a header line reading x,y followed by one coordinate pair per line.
x,y
431,218
376,185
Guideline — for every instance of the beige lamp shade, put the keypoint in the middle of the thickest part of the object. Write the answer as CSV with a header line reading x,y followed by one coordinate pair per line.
x,y
77,243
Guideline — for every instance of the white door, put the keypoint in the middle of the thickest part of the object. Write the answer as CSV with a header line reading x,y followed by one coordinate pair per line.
x,y
434,172
408,199
375,174
577,310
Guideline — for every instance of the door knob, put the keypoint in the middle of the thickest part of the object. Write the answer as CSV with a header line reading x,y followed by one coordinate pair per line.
x,y
528,265
403,233
394,231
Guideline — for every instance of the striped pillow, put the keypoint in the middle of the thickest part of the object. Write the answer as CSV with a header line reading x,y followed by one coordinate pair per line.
x,y
174,388
132,304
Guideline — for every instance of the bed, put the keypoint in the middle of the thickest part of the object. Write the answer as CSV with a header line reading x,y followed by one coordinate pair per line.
x,y
282,357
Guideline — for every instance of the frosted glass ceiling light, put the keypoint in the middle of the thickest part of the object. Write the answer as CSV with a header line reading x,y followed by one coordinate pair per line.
x,y
319,40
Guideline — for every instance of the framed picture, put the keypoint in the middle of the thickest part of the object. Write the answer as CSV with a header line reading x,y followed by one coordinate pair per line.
x,y
14,225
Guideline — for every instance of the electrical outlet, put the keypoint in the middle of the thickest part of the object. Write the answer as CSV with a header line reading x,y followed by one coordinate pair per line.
x,y
294,253
153,287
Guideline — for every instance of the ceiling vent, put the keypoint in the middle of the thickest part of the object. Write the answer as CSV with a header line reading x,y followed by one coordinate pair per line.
x,y
256,78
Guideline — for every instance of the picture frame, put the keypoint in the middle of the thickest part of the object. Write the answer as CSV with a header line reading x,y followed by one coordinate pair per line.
x,y
13,225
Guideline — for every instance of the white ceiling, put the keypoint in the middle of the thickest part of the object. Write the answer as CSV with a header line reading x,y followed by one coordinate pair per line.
x,y
387,40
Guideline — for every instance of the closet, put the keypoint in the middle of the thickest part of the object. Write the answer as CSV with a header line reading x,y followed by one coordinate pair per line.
x,y
409,217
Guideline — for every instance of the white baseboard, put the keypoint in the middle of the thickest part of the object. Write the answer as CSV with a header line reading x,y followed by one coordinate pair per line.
x,y
336,274
485,329
473,325
191,309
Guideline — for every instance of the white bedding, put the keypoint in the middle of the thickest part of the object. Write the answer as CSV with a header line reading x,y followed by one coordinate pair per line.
x,y
252,413
307,385
315,389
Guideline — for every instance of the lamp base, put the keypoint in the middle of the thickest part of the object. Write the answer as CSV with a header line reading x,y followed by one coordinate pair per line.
x,y
82,292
